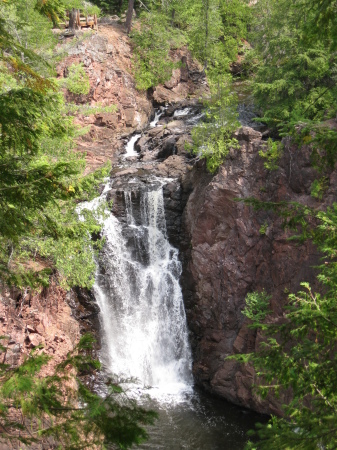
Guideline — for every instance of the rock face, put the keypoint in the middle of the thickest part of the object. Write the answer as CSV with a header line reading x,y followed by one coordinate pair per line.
x,y
106,59
187,80
52,318
229,250
31,320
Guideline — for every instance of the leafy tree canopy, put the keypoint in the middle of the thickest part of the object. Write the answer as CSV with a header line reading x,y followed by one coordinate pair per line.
x,y
41,177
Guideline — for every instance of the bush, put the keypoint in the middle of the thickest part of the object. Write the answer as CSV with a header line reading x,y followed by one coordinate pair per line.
x,y
77,80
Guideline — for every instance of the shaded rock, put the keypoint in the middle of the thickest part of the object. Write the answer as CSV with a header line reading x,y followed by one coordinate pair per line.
x,y
129,115
108,120
34,340
225,257
162,95
86,299
149,156
128,171
175,79
167,148
140,145
247,134
181,144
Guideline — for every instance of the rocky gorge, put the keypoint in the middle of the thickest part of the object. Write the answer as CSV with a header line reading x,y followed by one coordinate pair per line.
x,y
227,249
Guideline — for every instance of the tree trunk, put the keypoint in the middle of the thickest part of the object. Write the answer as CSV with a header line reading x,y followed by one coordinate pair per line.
x,y
129,16
73,19
173,13
206,34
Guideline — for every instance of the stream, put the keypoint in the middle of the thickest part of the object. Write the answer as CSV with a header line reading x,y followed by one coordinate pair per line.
x,y
145,341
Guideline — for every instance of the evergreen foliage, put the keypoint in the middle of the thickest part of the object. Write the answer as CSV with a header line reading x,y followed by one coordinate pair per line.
x,y
113,6
296,74
213,138
271,154
77,80
298,351
41,177
212,29
33,408
152,43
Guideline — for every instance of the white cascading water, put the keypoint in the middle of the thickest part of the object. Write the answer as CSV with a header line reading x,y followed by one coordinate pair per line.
x,y
157,116
137,289
130,146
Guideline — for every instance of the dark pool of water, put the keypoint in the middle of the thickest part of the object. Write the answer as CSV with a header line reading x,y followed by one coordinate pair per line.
x,y
201,422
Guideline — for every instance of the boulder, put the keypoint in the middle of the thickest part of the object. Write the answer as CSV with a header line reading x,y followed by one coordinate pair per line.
x,y
167,148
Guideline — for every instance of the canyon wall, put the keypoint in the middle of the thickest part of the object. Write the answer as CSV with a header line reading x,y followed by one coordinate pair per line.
x,y
229,250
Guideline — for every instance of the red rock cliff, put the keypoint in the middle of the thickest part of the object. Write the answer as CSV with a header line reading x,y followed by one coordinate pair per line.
x,y
226,256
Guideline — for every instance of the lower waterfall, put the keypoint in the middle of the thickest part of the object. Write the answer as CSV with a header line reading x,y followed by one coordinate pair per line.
x,y
144,330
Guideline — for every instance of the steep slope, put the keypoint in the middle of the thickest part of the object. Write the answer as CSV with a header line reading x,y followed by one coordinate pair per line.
x,y
230,250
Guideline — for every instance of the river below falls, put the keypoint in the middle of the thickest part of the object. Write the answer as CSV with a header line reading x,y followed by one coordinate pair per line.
x,y
200,422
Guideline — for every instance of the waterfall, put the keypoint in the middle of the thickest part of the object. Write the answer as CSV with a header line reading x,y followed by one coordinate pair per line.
x,y
137,288
130,147
157,116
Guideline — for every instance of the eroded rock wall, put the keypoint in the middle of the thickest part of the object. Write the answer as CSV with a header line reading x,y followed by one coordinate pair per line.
x,y
229,250
106,59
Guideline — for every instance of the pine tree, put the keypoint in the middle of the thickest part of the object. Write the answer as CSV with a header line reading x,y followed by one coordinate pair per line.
x,y
40,174
213,137
299,348
296,76
60,405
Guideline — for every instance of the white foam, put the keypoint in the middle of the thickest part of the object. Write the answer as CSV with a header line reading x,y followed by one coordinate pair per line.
x,y
142,314
181,112
130,146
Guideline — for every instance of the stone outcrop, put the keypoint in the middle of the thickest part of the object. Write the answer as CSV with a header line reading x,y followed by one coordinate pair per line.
x,y
106,58
39,319
188,80
229,250
53,318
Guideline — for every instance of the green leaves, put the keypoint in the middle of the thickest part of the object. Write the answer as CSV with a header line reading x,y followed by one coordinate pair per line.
x,y
271,154
257,307
41,178
213,138
152,44
77,80
212,30
298,350
295,76
62,406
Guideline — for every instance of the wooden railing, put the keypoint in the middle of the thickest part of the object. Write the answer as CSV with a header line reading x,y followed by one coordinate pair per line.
x,y
81,21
